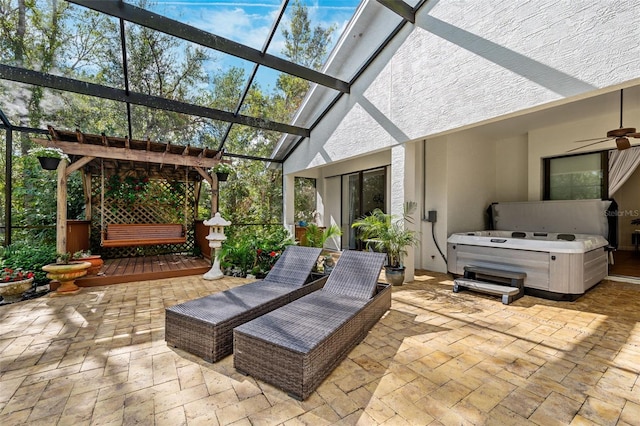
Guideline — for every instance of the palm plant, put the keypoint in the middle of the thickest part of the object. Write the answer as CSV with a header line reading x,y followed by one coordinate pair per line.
x,y
317,237
387,233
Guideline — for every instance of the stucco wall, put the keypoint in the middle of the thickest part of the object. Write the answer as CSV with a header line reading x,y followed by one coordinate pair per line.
x,y
466,62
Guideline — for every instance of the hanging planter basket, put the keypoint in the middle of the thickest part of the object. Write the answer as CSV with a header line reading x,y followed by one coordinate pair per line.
x,y
222,177
49,163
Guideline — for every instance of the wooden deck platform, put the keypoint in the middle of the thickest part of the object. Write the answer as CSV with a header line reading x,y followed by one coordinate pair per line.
x,y
124,270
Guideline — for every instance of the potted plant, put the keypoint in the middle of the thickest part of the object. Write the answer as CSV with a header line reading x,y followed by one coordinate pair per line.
x,y
222,171
315,236
49,157
387,233
95,260
66,271
14,282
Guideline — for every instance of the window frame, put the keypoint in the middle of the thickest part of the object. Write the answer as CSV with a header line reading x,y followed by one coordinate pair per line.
x,y
604,167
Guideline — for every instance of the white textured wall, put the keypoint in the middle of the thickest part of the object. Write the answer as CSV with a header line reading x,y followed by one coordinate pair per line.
x,y
469,61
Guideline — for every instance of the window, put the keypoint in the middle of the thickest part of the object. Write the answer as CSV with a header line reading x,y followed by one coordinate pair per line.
x,y
576,177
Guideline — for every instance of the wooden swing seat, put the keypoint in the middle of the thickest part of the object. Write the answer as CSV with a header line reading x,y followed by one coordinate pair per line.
x,y
143,234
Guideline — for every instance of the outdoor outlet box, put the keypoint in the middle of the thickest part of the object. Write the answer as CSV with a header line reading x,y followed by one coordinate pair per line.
x,y
432,216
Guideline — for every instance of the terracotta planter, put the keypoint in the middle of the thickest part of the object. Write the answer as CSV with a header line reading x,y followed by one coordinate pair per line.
x,y
12,291
66,274
96,263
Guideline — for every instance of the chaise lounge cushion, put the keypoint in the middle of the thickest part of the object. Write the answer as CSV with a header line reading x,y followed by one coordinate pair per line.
x,y
296,346
305,322
204,326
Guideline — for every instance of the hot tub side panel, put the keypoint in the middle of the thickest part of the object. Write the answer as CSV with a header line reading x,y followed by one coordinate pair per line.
x,y
535,264
547,272
575,273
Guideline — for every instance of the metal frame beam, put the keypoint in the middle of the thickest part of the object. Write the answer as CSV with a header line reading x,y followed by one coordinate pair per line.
x,y
136,15
8,183
252,76
400,8
362,69
5,121
37,78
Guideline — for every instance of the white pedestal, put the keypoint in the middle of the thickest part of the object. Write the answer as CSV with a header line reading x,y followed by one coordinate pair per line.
x,y
214,273
216,236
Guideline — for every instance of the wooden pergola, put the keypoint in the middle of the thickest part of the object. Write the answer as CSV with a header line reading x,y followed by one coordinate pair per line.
x,y
91,154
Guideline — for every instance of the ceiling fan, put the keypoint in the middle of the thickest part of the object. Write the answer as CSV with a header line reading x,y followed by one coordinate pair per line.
x,y
620,135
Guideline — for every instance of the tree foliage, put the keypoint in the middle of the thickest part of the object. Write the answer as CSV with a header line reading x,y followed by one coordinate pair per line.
x,y
54,36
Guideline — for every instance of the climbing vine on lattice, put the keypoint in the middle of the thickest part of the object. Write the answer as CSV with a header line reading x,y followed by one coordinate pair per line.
x,y
138,199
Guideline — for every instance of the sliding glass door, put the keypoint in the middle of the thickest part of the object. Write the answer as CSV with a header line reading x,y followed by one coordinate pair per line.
x,y
362,192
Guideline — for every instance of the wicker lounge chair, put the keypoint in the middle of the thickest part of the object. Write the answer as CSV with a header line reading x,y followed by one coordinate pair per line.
x,y
204,327
297,346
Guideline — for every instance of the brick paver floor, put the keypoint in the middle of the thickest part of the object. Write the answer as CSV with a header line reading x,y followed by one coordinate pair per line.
x,y
437,357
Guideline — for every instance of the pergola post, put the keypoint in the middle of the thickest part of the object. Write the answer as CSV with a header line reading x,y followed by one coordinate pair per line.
x,y
86,183
61,217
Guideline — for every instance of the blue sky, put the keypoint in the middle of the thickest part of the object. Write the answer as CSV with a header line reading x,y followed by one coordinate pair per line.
x,y
248,22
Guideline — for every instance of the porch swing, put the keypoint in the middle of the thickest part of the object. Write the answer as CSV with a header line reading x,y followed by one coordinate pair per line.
x,y
141,234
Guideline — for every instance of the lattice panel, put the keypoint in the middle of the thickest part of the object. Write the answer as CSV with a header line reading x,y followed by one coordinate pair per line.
x,y
141,200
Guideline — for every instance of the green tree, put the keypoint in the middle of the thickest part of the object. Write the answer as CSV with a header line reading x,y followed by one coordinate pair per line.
x,y
304,46
255,193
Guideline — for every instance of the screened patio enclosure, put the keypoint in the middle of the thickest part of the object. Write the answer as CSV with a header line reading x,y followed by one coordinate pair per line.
x,y
95,81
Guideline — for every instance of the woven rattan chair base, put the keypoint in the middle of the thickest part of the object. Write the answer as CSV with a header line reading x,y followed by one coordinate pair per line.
x,y
299,372
212,340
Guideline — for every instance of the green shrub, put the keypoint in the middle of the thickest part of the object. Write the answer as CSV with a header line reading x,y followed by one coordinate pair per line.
x,y
253,250
30,257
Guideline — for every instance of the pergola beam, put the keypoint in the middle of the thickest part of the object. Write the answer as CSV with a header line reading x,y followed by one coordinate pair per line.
x,y
124,154
401,8
37,78
136,15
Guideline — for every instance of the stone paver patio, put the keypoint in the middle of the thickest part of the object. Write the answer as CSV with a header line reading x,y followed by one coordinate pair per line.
x,y
99,358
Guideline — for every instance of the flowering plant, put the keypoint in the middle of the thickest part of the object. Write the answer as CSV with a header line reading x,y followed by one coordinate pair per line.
x,y
12,275
222,168
41,151
265,259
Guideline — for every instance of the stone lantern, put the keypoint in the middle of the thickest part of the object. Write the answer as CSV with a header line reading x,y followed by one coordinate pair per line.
x,y
216,236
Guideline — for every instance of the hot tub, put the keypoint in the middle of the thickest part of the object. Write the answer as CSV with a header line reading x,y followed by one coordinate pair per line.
x,y
558,266
546,240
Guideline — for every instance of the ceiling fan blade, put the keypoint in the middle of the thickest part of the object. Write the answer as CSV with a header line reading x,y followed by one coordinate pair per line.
x,y
587,145
592,139
623,143
633,135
